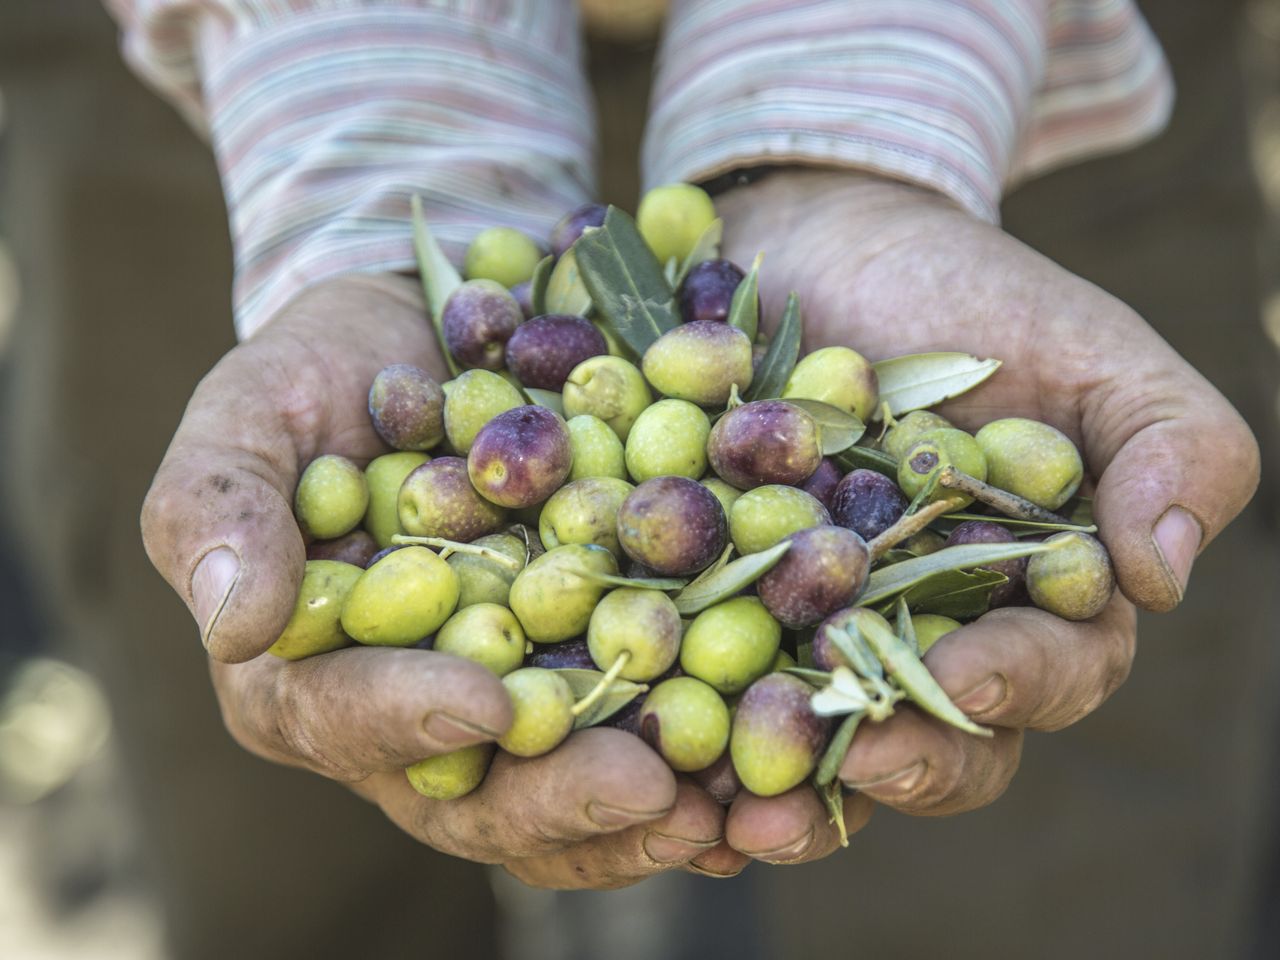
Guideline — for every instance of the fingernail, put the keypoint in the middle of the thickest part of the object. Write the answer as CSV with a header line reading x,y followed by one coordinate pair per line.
x,y
899,782
450,731
792,851
615,818
715,874
987,695
211,584
1177,536
662,848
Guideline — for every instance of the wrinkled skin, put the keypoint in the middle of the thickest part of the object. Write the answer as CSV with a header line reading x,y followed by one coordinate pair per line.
x,y
889,269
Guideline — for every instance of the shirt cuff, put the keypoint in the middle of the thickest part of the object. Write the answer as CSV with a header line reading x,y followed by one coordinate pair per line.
x,y
326,122
954,95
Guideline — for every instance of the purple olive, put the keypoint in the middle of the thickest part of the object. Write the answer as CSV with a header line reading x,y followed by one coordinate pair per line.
x,y
478,319
406,406
825,569
543,351
766,441
571,225
520,457
868,503
1013,593
822,485
707,291
673,525
355,548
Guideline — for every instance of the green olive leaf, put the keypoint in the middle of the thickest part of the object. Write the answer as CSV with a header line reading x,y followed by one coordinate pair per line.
x,y
896,555
671,271
906,629
914,679
625,281
721,562
843,695
545,398
829,765
815,678
565,292
886,583
1019,527
850,643
439,277
867,458
727,582
538,284
641,583
921,380
582,682
744,309
706,248
958,594
780,359
1080,510
837,430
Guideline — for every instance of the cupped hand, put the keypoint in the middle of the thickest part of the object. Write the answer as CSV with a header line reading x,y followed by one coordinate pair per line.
x,y
889,269
602,810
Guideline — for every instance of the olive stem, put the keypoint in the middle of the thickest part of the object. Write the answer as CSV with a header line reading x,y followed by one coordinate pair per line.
x,y
1010,504
907,526
452,546
601,688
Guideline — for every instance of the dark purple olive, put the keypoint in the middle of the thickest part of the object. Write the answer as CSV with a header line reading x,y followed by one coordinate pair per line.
x,y
571,225
868,503
543,351
707,291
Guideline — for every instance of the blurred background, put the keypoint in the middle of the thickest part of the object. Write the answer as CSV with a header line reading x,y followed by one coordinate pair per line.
x,y
132,827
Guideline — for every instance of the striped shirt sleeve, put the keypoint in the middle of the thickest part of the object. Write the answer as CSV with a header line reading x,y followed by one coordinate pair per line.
x,y
326,116
962,96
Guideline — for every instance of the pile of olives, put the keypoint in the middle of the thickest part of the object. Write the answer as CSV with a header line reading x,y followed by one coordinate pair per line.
x,y
625,539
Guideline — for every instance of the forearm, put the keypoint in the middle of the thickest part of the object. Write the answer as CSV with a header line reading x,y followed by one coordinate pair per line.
x,y
960,96
327,117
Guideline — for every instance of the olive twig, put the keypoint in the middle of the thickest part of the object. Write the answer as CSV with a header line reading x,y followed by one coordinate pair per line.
x,y
1010,504
451,546
601,688
907,526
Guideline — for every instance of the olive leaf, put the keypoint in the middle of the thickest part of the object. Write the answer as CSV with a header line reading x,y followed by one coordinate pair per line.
x,y
958,594
829,765
671,271
780,359
565,292
1020,527
641,583
744,309
538,284
625,281
815,678
733,577
887,582
582,682
844,694
914,679
921,380
1080,510
706,248
837,430
545,398
721,562
867,458
906,629
854,649
439,277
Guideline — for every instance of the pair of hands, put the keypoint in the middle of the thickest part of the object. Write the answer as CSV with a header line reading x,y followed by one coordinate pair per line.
x,y
880,266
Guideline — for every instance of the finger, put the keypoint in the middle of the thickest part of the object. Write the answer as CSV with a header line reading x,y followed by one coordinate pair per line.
x,y
1022,667
358,711
920,766
695,826
598,782
1179,461
794,827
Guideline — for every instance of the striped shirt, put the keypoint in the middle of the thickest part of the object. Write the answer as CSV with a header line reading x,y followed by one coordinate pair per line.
x,y
326,116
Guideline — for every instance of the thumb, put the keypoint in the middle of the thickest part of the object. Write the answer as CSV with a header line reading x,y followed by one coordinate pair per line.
x,y
218,522
1184,464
